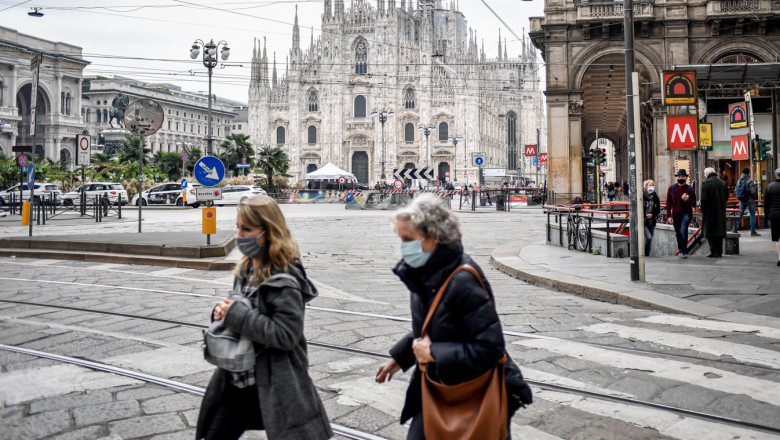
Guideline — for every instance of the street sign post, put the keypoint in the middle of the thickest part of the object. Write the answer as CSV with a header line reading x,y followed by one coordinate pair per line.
x,y
30,176
83,156
398,184
183,183
22,160
478,158
209,193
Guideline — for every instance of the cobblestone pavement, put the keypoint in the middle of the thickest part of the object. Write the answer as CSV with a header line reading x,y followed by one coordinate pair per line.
x,y
731,370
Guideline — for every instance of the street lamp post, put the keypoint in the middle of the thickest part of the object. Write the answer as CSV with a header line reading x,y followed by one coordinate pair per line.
x,y
455,139
427,129
383,114
209,61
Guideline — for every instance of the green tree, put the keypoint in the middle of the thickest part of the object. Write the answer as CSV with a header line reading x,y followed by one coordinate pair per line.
x,y
129,150
235,148
169,164
9,172
193,155
272,161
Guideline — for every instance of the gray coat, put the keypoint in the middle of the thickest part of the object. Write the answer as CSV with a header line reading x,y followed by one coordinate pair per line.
x,y
714,194
289,404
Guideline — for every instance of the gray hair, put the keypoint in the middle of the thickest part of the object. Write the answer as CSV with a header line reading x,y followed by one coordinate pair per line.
x,y
709,171
428,215
777,173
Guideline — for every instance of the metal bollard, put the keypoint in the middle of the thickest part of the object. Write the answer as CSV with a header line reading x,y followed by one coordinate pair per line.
x,y
119,207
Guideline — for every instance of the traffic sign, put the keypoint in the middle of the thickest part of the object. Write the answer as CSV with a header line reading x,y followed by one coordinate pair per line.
x,y
243,165
184,156
210,193
183,183
413,173
209,171
478,158
342,180
30,176
398,184
83,153
209,221
479,161
22,160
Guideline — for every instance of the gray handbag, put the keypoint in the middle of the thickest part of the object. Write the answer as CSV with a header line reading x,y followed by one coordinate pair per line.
x,y
226,348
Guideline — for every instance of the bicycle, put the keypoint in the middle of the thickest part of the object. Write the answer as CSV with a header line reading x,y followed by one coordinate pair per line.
x,y
577,232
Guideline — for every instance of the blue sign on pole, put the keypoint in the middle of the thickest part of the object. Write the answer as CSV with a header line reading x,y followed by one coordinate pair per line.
x,y
183,183
242,165
479,161
534,161
209,171
30,176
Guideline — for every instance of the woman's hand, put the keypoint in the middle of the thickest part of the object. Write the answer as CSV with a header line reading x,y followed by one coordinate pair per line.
x,y
422,350
222,308
387,370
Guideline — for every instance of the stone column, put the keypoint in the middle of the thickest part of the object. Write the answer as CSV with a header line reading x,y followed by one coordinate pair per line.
x,y
58,99
77,98
14,81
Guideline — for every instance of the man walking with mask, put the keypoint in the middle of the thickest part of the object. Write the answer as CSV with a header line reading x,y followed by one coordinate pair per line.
x,y
747,193
680,200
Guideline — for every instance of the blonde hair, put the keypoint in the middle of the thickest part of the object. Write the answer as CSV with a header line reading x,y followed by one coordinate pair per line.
x,y
646,183
262,212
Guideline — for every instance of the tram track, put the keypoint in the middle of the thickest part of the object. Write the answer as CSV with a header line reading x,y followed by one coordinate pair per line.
x,y
634,350
344,431
373,354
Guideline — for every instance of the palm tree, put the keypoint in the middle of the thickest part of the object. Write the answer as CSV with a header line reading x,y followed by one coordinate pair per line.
x,y
272,161
128,152
236,147
169,164
193,155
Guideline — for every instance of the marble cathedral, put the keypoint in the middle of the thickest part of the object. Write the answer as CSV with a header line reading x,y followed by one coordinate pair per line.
x,y
419,60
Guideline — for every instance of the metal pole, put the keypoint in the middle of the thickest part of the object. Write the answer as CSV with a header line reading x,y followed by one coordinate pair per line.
x,y
382,119
208,139
455,159
140,180
538,155
638,191
628,31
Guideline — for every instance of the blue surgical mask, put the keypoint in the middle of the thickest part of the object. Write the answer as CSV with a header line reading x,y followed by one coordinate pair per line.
x,y
413,255
250,247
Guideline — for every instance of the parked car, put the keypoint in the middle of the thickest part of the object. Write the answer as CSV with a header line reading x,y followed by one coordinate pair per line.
x,y
162,194
234,194
115,192
191,199
41,191
260,190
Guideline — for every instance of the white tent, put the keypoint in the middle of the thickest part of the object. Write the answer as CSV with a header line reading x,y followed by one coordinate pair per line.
x,y
330,171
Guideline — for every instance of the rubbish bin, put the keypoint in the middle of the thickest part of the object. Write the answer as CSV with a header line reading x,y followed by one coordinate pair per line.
x,y
500,199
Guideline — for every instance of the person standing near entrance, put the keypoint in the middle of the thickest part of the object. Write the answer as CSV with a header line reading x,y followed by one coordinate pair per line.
x,y
610,191
772,207
652,207
680,200
714,194
747,193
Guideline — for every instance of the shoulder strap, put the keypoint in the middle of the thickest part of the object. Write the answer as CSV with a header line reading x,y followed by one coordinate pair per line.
x,y
440,293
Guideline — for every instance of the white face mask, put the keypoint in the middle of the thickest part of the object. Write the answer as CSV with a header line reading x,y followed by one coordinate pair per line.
x,y
650,189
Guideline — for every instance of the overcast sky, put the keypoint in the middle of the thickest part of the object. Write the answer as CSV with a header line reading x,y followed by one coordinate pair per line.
x,y
150,39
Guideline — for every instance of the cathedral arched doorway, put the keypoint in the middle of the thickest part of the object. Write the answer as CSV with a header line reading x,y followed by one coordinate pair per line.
x,y
444,169
42,107
408,166
360,166
65,157
310,168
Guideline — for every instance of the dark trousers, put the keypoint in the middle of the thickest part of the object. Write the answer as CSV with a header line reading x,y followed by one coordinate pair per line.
x,y
417,429
716,246
238,408
681,223
649,231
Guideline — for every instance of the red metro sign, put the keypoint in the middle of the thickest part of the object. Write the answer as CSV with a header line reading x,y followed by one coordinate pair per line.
x,y
739,147
530,150
681,132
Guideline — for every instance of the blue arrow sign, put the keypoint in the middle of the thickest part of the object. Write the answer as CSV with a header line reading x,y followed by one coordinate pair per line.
x,y
30,176
183,183
209,171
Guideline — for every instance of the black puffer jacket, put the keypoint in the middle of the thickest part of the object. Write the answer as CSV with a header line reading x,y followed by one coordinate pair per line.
x,y
465,332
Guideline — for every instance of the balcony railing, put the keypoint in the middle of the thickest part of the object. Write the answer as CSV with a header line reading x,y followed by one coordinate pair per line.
x,y
587,11
730,8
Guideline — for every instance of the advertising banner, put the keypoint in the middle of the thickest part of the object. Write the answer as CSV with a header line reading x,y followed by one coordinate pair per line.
x,y
738,115
679,87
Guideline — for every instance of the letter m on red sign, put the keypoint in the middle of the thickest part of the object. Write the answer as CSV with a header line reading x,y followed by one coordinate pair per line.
x,y
739,147
681,132
530,150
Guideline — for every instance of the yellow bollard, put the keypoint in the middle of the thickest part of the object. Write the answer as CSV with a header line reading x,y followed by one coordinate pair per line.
x,y
209,220
26,214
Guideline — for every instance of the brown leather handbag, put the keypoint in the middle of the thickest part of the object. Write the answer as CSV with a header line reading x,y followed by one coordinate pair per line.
x,y
473,410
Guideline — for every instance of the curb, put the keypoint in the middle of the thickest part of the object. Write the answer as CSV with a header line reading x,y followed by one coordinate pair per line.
x,y
99,257
507,260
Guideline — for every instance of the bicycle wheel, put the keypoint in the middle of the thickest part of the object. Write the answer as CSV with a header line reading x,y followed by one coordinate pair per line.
x,y
583,234
571,229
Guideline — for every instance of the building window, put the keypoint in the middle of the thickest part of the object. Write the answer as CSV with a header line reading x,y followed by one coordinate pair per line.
x,y
86,115
105,115
360,106
312,134
361,58
67,103
239,126
2,94
409,132
313,101
97,116
177,126
443,131
169,125
409,98
62,103
279,135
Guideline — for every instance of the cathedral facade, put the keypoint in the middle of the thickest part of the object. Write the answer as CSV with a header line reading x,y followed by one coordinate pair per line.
x,y
419,61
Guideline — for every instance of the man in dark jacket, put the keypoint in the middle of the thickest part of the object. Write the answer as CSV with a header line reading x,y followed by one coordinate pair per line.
x,y
748,201
772,209
714,194
680,200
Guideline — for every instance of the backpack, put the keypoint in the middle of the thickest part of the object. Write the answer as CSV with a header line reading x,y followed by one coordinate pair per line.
x,y
746,188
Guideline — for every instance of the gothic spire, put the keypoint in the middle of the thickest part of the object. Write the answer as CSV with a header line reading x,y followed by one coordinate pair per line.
x,y
339,9
326,13
505,56
499,44
273,77
296,43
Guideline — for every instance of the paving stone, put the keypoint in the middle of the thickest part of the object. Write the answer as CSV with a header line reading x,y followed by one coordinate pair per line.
x,y
642,389
88,433
366,419
73,400
38,425
191,416
687,396
105,412
139,427
170,403
188,434
143,392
